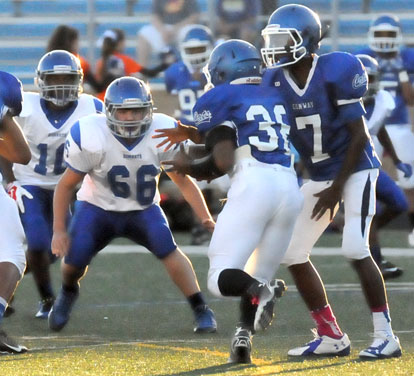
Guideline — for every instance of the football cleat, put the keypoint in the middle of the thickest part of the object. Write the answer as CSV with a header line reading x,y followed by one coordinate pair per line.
x,y
60,312
389,270
45,306
9,345
267,294
9,311
205,320
241,346
323,346
384,346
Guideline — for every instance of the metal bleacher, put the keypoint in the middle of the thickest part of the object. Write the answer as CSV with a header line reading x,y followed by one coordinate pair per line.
x,y
23,38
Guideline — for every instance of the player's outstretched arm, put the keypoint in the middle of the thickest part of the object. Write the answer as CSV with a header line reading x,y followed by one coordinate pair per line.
x,y
194,197
173,136
13,144
61,202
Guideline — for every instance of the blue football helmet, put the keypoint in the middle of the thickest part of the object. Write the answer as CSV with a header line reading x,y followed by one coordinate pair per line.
x,y
384,34
233,61
59,77
371,66
196,45
128,93
293,31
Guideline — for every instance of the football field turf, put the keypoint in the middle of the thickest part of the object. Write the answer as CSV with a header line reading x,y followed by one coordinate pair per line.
x,y
131,320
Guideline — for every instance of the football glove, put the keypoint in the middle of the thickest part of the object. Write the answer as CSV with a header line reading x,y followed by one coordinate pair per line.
x,y
405,168
17,192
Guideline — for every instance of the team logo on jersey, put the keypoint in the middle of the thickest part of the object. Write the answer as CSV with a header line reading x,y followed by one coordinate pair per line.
x,y
359,80
204,117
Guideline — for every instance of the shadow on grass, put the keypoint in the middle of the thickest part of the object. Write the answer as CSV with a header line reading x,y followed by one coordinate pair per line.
x,y
213,370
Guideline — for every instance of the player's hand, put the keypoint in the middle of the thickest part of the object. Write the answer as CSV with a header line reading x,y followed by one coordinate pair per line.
x,y
181,162
17,192
405,168
209,224
172,136
60,243
328,199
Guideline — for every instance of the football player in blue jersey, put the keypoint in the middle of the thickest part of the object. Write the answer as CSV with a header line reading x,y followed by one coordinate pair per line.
x,y
184,79
396,67
115,158
246,135
391,200
46,118
14,148
326,116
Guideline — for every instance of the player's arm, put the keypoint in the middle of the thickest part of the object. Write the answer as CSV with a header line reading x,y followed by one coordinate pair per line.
x,y
194,197
407,88
329,198
61,202
13,144
386,142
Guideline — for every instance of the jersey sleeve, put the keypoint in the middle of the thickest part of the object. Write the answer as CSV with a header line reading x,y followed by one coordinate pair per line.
x,y
407,55
11,96
170,79
347,81
82,153
213,108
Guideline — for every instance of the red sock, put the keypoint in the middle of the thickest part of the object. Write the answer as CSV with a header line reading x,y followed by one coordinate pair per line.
x,y
326,322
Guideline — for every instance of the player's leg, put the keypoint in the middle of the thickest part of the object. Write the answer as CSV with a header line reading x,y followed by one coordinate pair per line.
x,y
329,339
359,201
91,229
392,203
37,223
238,231
12,264
150,228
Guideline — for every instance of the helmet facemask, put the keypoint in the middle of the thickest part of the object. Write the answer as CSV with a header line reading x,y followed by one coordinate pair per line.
x,y
282,46
59,86
129,124
384,38
195,53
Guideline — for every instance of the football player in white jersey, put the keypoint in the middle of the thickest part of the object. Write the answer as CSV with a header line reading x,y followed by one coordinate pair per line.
x,y
14,148
379,104
116,159
46,118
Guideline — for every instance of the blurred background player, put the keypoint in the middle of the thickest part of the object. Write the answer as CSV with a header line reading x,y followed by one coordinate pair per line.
x,y
185,81
329,133
115,159
391,200
114,63
167,20
13,148
395,64
45,119
245,135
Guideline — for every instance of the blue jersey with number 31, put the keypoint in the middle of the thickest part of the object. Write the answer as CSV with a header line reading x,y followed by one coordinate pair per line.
x,y
257,115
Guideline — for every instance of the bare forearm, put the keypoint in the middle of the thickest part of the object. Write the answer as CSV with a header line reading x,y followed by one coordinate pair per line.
x,y
6,169
61,203
13,144
386,142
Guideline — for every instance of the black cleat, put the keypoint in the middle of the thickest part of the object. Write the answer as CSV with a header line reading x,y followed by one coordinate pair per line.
x,y
389,270
9,345
241,346
45,306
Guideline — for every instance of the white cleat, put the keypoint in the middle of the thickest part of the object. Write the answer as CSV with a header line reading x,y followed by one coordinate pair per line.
x,y
269,292
323,346
384,346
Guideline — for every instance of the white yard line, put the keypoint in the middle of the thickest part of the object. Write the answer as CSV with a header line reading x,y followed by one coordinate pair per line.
x,y
202,250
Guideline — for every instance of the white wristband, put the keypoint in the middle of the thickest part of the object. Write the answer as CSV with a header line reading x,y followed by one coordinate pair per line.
x,y
403,76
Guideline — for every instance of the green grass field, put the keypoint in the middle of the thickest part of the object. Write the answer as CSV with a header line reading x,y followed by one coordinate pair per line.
x,y
130,320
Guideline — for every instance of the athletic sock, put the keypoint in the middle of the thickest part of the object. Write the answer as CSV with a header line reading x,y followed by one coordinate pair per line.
x,y
382,320
196,300
326,322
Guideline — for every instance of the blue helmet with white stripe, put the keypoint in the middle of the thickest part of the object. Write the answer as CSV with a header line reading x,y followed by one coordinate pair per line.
x,y
384,34
293,31
128,93
371,66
